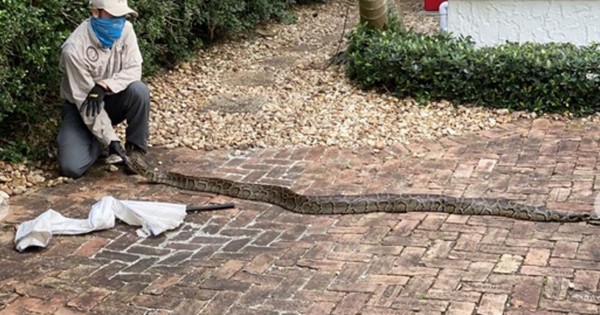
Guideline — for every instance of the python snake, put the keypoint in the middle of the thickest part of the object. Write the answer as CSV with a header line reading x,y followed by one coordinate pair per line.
x,y
354,204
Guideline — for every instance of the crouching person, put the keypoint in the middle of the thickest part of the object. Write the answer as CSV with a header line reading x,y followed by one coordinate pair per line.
x,y
101,67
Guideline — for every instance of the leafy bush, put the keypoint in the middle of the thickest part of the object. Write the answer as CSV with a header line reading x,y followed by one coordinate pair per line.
x,y
536,77
168,31
29,50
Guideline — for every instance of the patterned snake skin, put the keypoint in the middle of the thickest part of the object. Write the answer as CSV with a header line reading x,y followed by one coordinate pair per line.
x,y
342,204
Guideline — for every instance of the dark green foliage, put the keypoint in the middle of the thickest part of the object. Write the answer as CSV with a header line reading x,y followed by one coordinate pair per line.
x,y
13,151
30,40
536,77
168,31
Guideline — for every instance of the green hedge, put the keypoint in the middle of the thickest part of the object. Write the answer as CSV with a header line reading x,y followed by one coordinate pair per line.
x,y
535,77
33,31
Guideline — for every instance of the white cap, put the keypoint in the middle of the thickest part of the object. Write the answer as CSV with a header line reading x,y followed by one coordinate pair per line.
x,y
114,7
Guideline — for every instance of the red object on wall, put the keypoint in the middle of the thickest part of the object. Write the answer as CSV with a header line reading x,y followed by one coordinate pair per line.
x,y
432,5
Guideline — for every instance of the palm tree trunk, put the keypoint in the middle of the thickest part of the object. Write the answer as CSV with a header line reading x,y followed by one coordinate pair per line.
x,y
376,12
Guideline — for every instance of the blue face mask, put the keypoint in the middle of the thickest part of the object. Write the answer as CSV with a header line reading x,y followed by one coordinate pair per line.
x,y
107,30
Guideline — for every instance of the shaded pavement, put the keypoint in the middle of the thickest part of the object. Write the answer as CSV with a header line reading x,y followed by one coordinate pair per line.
x,y
260,259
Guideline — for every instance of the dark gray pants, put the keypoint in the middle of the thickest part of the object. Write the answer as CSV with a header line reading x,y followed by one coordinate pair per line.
x,y
78,148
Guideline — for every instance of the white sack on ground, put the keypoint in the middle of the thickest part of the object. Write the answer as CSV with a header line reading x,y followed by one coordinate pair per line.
x,y
153,217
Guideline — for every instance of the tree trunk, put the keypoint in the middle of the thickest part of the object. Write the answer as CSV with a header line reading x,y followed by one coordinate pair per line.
x,y
376,12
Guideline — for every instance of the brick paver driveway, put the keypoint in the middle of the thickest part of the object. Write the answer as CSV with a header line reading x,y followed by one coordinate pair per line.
x,y
260,259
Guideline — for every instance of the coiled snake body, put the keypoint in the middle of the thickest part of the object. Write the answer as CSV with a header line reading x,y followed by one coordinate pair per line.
x,y
346,204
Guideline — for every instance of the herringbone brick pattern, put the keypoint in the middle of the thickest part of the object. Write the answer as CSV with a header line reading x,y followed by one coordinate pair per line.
x,y
260,259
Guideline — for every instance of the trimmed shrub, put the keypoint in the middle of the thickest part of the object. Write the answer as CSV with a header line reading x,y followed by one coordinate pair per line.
x,y
551,77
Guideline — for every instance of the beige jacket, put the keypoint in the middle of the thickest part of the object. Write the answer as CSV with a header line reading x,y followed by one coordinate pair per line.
x,y
84,63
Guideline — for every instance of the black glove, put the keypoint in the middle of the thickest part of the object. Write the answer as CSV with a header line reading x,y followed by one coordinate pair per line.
x,y
115,148
93,101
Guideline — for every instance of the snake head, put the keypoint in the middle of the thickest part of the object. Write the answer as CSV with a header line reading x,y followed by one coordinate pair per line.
x,y
136,163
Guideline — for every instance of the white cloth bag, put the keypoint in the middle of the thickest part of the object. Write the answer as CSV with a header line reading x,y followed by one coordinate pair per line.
x,y
153,217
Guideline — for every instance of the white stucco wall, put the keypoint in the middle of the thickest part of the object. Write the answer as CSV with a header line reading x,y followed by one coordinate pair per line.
x,y
492,22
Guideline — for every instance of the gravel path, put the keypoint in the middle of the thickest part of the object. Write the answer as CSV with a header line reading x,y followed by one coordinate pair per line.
x,y
272,88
